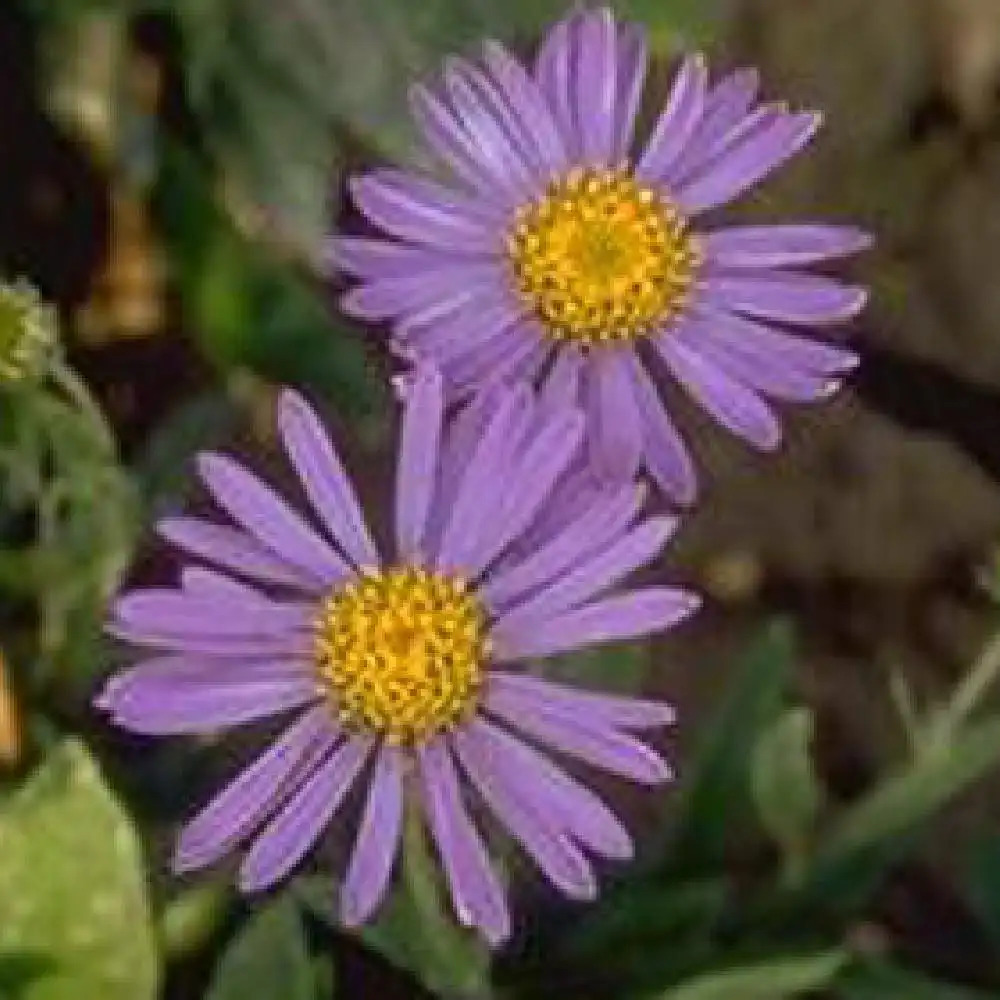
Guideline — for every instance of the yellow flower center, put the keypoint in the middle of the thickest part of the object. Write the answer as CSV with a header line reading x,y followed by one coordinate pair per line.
x,y
400,653
602,258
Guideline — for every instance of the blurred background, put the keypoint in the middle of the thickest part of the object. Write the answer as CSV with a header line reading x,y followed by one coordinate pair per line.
x,y
167,174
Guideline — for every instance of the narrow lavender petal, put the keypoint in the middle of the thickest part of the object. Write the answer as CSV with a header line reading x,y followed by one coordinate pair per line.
x,y
608,516
786,297
632,58
664,452
527,101
596,86
377,841
467,329
554,69
258,508
677,121
288,836
562,863
766,342
174,709
323,478
736,407
782,246
726,105
509,693
614,423
398,295
165,611
561,388
741,167
417,210
592,576
196,581
626,616
768,375
476,892
447,137
555,445
492,100
419,453
588,739
371,258
518,356
171,672
574,808
255,792
291,644
478,499
235,550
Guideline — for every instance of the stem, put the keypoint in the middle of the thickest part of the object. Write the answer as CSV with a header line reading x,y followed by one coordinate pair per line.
x,y
969,694
78,393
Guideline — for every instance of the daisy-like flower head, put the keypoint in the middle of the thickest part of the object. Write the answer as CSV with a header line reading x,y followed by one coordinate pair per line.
x,y
562,252
406,673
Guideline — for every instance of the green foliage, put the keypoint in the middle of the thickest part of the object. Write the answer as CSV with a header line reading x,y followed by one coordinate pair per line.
x,y
885,981
76,919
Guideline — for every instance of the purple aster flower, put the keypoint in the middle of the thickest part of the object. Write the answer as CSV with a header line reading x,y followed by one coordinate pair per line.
x,y
564,253
405,673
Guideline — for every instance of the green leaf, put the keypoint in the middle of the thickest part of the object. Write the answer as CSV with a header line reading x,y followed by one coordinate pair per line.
x,y
911,796
268,960
777,979
982,884
884,981
718,785
673,24
785,789
18,970
71,879
621,668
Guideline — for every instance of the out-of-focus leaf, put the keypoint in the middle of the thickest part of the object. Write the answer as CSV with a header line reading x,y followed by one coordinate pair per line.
x,y
19,969
883,981
777,979
717,792
620,668
676,23
72,885
910,797
785,790
268,959
982,884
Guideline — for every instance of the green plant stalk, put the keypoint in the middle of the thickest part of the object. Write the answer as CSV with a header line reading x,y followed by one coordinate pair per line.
x,y
967,697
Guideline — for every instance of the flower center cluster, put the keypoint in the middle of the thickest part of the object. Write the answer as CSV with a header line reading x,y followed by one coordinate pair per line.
x,y
601,258
400,653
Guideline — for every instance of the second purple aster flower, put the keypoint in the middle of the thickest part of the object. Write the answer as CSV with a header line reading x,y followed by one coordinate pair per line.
x,y
563,254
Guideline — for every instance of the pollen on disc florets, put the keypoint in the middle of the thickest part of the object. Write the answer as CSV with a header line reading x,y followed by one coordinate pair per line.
x,y
400,652
602,258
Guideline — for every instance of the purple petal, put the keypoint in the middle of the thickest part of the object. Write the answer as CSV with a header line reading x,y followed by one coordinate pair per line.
x,y
257,508
197,582
163,611
528,103
516,356
368,258
536,830
677,122
596,86
542,462
586,738
377,841
613,419
445,291
466,329
419,452
253,795
508,693
235,550
733,405
289,835
747,162
787,297
291,644
764,342
478,499
726,107
632,57
561,388
608,516
172,709
554,68
769,375
782,246
475,889
626,616
552,792
323,478
592,576
664,451
418,210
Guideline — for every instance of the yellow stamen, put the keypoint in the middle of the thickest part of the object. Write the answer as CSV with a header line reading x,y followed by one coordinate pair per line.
x,y
400,653
602,258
